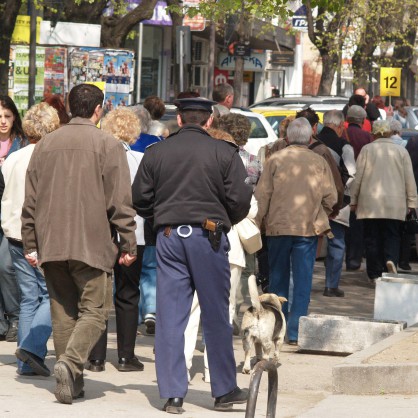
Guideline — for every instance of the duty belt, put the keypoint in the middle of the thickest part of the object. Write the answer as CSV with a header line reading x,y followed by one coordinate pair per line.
x,y
215,229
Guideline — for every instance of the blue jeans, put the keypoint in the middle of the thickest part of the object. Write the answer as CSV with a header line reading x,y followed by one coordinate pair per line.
x,y
35,315
9,289
301,252
335,255
148,283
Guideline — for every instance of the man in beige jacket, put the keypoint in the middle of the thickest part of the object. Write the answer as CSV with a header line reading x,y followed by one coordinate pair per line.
x,y
296,194
382,193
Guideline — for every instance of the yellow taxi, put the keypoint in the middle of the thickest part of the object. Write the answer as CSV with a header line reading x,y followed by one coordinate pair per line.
x,y
275,115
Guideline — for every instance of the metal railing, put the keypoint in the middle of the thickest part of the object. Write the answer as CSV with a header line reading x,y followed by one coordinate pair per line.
x,y
259,368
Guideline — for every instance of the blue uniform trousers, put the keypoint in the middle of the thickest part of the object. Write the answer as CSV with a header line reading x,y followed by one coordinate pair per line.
x,y
183,266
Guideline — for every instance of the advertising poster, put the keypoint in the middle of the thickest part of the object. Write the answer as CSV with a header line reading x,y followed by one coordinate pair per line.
x,y
95,66
110,102
78,64
122,99
21,76
110,65
55,71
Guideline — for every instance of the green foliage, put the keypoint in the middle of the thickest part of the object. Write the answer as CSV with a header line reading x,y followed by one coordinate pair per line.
x,y
262,9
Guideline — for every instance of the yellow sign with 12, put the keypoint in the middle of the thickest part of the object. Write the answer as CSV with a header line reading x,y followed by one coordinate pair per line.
x,y
390,81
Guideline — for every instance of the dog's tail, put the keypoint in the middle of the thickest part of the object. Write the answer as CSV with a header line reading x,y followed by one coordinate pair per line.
x,y
252,289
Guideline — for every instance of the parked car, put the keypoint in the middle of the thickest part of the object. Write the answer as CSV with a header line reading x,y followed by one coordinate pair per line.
x,y
261,131
406,134
412,117
301,101
275,115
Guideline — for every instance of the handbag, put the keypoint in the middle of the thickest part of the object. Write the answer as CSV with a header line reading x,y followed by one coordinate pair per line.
x,y
411,222
249,235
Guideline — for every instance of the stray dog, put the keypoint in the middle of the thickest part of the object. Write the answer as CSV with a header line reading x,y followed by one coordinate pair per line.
x,y
263,325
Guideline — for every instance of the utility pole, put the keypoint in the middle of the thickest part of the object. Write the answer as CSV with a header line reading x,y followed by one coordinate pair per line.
x,y
211,69
32,53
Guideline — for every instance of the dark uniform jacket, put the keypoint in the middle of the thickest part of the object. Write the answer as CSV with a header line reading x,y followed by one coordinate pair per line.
x,y
189,177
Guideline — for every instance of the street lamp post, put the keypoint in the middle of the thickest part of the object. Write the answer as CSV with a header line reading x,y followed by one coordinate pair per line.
x,y
32,53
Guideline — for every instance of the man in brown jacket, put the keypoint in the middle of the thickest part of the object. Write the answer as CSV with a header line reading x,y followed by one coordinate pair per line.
x,y
77,199
296,194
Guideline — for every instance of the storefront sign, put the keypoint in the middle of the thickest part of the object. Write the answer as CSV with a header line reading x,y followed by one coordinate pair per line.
x,y
160,16
255,62
196,23
299,19
284,58
220,77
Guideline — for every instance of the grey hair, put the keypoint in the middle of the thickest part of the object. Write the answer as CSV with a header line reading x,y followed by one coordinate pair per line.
x,y
157,128
381,127
144,117
299,132
395,126
221,91
358,121
333,117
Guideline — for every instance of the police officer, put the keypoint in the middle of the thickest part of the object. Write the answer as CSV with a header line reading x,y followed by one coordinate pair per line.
x,y
193,189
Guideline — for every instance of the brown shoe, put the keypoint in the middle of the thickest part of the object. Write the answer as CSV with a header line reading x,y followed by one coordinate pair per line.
x,y
64,391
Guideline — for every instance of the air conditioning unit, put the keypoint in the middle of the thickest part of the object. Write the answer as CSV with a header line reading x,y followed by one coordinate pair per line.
x,y
200,51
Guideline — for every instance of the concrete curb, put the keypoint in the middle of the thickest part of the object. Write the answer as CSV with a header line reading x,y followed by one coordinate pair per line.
x,y
356,377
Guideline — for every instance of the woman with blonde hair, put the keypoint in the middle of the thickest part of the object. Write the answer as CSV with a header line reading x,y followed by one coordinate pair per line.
x,y
35,316
125,126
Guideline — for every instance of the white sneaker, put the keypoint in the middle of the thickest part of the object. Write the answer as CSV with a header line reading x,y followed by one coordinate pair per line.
x,y
390,265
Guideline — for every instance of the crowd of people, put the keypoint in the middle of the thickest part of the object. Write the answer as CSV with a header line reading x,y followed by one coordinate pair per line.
x,y
126,214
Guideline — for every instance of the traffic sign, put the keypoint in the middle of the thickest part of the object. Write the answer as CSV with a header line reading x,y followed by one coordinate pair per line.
x,y
390,81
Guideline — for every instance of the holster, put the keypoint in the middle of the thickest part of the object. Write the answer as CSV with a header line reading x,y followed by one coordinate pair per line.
x,y
215,229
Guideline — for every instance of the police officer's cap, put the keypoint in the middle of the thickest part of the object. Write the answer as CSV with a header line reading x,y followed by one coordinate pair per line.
x,y
195,103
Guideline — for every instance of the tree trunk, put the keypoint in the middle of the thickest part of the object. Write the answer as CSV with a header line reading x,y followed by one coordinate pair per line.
x,y
177,21
238,79
115,29
327,77
239,61
362,62
326,35
402,57
9,10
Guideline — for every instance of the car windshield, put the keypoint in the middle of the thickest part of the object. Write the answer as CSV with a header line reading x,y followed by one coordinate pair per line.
x,y
274,121
257,128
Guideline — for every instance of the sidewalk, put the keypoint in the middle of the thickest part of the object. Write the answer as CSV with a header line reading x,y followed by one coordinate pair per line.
x,y
305,380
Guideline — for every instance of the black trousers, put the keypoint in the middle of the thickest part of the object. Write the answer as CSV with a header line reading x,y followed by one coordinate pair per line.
x,y
382,238
405,249
126,310
354,244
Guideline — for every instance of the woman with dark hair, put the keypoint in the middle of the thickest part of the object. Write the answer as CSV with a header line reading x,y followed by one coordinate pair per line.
x,y
11,131
11,139
57,103
35,316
